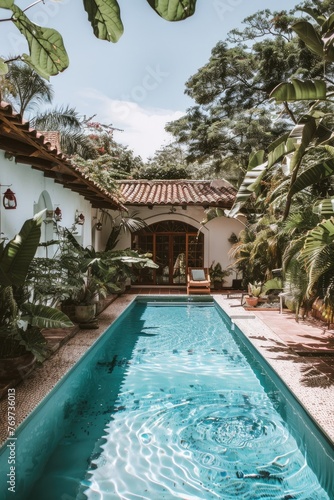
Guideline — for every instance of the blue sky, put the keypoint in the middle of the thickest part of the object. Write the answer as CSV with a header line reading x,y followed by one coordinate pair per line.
x,y
136,84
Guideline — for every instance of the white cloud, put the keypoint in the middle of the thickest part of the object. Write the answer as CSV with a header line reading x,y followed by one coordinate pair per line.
x,y
143,128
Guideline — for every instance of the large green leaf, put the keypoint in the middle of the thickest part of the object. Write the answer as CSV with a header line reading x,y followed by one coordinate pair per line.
x,y
328,39
19,252
316,252
324,207
48,56
105,18
173,10
328,24
308,131
315,14
320,46
298,90
279,148
44,316
327,29
310,37
3,67
250,183
314,174
6,4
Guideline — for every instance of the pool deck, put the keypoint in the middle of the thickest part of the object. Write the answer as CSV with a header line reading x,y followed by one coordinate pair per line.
x,y
302,354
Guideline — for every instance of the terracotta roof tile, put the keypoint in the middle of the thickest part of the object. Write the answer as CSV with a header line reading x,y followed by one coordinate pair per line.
x,y
39,150
178,192
52,138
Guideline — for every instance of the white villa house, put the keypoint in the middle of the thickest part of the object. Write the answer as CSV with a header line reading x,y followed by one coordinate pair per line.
x,y
35,175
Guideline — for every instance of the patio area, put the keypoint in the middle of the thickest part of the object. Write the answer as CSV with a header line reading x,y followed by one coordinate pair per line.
x,y
302,354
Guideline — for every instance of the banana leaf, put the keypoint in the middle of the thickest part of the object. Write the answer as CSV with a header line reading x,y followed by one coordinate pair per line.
x,y
299,90
43,316
17,255
314,174
250,183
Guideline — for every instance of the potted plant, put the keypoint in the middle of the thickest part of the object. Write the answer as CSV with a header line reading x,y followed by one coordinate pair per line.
x,y
254,292
236,281
21,318
217,275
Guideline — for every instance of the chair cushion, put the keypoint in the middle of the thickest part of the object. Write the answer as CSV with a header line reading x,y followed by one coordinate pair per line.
x,y
198,275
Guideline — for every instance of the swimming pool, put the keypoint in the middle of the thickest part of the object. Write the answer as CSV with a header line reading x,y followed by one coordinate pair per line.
x,y
170,403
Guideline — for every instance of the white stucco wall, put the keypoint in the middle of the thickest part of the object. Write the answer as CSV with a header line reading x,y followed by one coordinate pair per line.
x,y
33,192
216,232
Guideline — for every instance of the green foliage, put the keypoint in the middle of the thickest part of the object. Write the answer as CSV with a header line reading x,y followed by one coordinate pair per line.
x,y
173,10
21,320
298,90
26,89
104,16
47,54
167,163
101,170
16,256
232,116
255,289
217,273
272,284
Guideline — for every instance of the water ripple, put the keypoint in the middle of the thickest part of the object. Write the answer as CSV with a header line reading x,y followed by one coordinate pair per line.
x,y
195,447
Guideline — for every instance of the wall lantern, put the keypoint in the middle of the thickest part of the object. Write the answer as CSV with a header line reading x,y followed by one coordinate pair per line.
x,y
58,214
9,200
79,218
98,226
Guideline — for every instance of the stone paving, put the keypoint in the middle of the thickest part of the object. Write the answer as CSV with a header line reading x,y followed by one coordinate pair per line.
x,y
302,354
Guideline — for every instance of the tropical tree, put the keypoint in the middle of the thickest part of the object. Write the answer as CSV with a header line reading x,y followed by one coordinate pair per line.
x,y
27,90
303,161
167,163
73,136
233,116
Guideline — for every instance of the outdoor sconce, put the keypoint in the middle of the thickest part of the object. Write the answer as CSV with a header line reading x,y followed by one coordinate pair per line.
x,y
98,226
79,218
58,214
9,200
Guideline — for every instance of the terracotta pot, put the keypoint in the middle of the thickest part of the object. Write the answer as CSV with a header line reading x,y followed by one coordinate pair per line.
x,y
252,301
17,368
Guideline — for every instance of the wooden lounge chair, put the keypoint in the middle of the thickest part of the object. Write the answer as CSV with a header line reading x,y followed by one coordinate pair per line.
x,y
198,281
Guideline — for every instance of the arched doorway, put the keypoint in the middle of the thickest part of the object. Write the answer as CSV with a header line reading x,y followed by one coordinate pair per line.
x,y
175,246
44,202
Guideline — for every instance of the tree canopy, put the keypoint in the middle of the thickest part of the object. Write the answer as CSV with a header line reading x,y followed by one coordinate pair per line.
x,y
233,115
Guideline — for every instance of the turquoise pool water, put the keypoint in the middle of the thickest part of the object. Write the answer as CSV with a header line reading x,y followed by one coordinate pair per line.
x,y
170,403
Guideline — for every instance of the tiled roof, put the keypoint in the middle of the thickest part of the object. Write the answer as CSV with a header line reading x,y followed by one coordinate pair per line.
x,y
215,193
53,138
40,150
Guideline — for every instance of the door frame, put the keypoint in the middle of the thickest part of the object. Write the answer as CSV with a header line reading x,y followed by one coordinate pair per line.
x,y
145,241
